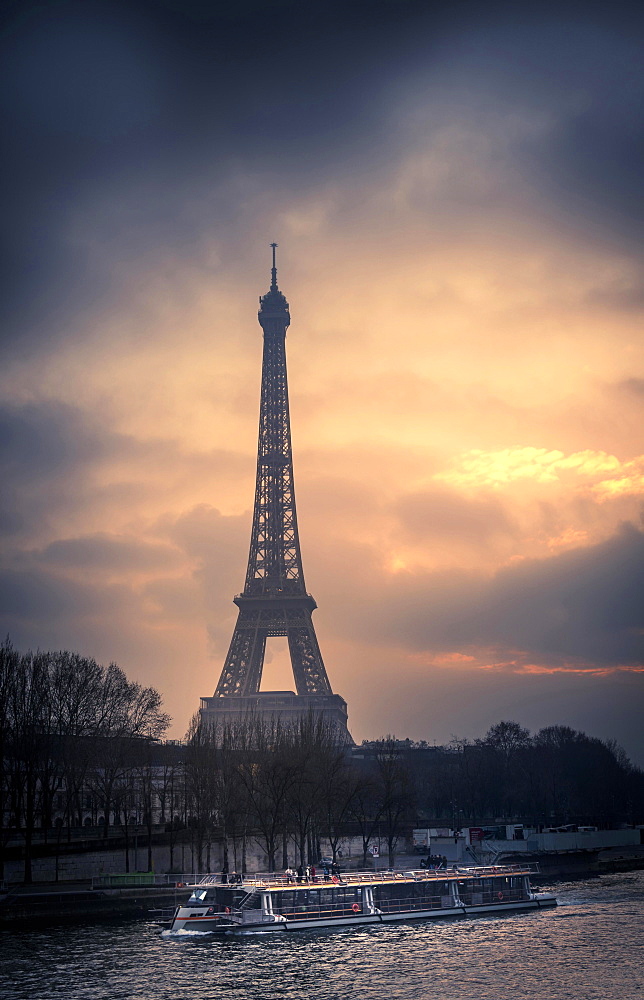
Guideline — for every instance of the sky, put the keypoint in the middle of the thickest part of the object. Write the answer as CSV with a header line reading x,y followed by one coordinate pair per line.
x,y
456,194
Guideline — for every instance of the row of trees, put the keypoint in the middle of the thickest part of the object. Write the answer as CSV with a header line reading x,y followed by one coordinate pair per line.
x,y
288,788
69,728
557,775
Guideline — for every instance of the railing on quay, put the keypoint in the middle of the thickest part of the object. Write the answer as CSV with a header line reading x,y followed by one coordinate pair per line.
x,y
127,880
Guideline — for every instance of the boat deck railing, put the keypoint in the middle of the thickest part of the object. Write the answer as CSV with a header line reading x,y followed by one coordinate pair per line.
x,y
265,880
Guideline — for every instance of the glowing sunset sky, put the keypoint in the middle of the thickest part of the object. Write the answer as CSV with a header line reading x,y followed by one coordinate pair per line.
x,y
457,201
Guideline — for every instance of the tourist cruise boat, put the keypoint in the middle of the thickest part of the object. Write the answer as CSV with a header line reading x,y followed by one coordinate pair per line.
x,y
275,903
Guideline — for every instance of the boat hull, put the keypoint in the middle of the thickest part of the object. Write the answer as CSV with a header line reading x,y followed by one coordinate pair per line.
x,y
215,925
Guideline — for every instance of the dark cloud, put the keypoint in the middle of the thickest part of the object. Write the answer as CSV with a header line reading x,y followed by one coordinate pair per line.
x,y
632,386
49,451
583,606
585,603
36,598
441,703
130,115
594,162
43,440
62,594
103,553
577,79
629,298
100,68
44,450
148,106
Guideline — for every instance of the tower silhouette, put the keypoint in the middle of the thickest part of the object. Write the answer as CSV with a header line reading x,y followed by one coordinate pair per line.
x,y
274,601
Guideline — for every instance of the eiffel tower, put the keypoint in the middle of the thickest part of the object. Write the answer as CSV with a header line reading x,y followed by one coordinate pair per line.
x,y
274,601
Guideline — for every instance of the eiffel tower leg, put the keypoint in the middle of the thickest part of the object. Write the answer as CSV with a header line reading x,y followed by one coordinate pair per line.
x,y
242,671
306,660
256,664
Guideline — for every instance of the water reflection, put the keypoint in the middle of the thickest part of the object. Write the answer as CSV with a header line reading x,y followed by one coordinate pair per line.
x,y
589,949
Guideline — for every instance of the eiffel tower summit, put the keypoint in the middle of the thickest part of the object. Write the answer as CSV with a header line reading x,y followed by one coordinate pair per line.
x,y
274,601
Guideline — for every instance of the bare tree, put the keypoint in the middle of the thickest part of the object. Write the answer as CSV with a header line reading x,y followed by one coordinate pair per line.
x,y
201,784
395,791
316,758
338,794
268,772
9,668
66,723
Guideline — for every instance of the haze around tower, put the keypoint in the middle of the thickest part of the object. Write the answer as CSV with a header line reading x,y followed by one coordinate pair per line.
x,y
456,195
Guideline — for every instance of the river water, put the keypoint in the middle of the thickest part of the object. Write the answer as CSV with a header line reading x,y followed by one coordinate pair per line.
x,y
591,947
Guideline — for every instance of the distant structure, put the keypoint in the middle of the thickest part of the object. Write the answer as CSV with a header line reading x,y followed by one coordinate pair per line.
x,y
274,601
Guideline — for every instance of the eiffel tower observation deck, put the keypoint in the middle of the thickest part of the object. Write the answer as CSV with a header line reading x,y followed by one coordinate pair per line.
x,y
274,601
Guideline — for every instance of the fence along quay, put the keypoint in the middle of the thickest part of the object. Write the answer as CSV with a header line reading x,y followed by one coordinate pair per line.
x,y
277,903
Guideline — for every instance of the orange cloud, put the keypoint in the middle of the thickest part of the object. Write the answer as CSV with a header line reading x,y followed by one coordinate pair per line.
x,y
496,469
630,483
569,538
533,668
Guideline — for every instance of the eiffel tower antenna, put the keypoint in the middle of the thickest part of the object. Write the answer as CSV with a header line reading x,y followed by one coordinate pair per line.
x,y
275,601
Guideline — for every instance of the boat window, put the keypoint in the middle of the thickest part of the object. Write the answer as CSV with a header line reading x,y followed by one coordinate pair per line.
x,y
198,897
411,891
326,898
390,891
499,883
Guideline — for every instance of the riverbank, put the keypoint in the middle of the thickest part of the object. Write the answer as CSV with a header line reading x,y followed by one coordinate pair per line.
x,y
51,905
581,864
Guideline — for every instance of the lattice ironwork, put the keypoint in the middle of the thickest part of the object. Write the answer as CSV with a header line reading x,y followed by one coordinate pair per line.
x,y
274,601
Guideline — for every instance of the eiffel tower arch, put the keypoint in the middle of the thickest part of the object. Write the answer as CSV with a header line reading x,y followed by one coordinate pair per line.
x,y
274,601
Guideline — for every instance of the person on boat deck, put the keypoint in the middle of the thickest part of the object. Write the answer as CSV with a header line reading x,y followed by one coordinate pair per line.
x,y
308,873
335,869
300,873
325,869
289,875
313,873
224,873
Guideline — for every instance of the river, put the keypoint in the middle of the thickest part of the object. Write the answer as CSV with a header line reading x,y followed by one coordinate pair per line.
x,y
589,948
